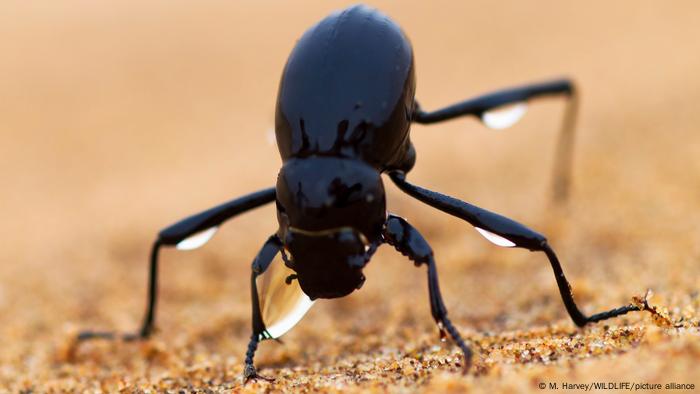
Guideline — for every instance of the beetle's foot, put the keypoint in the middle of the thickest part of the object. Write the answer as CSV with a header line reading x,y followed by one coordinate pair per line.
x,y
467,359
70,350
659,315
251,373
110,335
88,335
132,336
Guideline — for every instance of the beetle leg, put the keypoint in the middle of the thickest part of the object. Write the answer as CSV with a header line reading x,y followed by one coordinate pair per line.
x,y
507,232
267,253
147,326
188,233
481,105
409,242
185,228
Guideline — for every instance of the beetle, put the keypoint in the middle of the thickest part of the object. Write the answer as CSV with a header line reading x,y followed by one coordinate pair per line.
x,y
345,105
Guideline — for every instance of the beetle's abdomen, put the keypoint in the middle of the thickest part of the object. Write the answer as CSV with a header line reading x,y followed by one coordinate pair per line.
x,y
347,89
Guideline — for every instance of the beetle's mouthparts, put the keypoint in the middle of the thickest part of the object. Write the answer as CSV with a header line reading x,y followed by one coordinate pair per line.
x,y
328,262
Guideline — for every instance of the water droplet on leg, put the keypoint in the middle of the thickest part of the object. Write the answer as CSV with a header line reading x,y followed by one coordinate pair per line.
x,y
495,238
196,240
505,116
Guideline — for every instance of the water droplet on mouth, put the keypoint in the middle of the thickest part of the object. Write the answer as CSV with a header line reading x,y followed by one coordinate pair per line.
x,y
282,303
505,116
196,240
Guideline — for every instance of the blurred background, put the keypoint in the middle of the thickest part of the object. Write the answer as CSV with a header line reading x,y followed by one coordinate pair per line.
x,y
118,118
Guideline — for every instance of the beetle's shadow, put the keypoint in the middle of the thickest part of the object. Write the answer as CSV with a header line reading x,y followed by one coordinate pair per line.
x,y
495,343
404,335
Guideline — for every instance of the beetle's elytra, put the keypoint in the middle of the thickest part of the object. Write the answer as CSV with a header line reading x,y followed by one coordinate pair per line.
x,y
345,106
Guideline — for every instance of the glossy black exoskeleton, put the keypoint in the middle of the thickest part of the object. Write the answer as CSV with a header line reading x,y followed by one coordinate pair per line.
x,y
344,110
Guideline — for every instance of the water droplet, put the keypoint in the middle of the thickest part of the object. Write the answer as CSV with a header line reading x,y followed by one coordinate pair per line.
x,y
505,116
196,240
496,239
282,304
270,136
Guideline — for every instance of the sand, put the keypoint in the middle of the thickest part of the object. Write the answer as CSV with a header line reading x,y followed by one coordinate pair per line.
x,y
118,118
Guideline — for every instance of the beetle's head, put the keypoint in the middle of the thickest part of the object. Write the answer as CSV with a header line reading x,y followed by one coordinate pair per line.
x,y
331,210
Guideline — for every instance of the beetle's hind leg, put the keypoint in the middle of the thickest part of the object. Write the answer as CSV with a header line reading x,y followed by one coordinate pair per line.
x,y
482,105
409,242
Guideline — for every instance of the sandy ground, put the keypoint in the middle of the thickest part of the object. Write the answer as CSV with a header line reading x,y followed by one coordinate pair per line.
x,y
118,118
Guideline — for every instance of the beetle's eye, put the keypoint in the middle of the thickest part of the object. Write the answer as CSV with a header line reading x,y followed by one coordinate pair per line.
x,y
196,240
495,238
505,116
282,302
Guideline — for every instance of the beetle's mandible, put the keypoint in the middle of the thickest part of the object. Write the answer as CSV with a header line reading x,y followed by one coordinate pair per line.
x,y
344,110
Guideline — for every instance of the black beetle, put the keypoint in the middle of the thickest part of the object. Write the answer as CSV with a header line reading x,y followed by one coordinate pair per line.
x,y
344,110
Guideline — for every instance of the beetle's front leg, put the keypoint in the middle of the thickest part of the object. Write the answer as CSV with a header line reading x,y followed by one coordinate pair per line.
x,y
268,252
409,242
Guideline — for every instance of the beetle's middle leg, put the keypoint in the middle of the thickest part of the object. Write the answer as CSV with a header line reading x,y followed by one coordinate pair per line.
x,y
509,233
175,235
407,240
